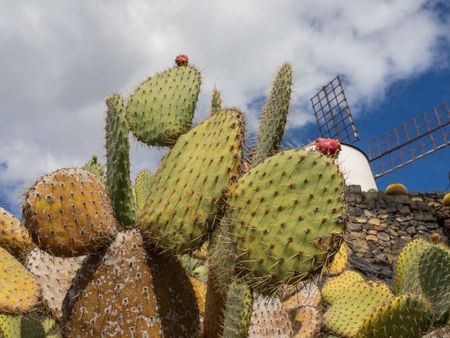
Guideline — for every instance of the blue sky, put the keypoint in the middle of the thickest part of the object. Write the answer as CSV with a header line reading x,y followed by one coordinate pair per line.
x,y
60,60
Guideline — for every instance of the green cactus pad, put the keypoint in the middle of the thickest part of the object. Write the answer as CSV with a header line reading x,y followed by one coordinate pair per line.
x,y
238,311
187,189
162,107
407,267
94,167
347,314
434,268
118,180
274,115
334,287
27,327
406,316
142,186
216,102
286,218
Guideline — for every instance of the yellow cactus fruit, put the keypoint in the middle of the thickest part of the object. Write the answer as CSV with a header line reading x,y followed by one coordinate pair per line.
x,y
113,294
334,287
68,213
14,237
19,290
446,200
55,275
200,294
339,262
307,322
396,189
309,295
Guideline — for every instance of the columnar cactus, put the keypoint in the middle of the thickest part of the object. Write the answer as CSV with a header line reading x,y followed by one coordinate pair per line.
x,y
118,182
216,102
274,115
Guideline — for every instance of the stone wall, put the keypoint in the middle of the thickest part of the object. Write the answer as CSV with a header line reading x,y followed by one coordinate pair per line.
x,y
380,225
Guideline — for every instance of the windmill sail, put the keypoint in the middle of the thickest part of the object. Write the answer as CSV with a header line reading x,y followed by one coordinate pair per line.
x,y
411,141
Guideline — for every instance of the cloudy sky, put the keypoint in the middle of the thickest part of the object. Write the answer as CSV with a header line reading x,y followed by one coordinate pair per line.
x,y
59,59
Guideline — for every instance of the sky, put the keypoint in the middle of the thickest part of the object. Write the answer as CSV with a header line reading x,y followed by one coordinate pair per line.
x,y
59,60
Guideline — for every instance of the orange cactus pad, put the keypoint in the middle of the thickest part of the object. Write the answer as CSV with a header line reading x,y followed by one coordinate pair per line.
x,y
68,213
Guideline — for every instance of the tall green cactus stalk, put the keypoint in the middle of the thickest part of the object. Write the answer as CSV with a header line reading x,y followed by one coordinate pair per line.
x,y
118,179
238,311
216,102
274,115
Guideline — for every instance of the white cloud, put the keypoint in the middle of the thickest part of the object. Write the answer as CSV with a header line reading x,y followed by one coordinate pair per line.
x,y
60,59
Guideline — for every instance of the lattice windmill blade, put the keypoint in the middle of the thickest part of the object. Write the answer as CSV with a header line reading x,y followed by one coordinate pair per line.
x,y
413,140
333,113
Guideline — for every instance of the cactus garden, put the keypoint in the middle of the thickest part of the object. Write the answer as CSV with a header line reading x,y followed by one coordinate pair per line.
x,y
223,240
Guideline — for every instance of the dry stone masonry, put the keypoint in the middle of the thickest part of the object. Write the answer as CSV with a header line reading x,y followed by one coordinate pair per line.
x,y
380,225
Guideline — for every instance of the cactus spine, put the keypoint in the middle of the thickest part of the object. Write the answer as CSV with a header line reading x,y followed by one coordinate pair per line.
x,y
238,311
118,180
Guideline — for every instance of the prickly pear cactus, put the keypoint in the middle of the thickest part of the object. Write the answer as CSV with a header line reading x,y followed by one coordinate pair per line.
x,y
407,267
238,311
309,295
19,290
118,181
339,262
406,316
269,319
187,190
334,287
200,294
55,275
68,213
142,186
434,271
162,107
113,295
14,236
27,327
280,236
274,115
346,316
216,102
94,167
309,320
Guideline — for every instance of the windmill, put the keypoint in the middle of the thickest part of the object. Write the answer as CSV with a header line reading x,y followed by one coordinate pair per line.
x,y
413,140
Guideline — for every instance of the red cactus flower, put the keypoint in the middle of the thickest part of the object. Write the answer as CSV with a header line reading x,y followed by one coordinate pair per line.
x,y
328,146
182,60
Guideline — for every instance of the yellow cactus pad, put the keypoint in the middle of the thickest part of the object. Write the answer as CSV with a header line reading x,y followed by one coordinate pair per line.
x,y
19,290
200,294
68,213
335,286
14,237
339,262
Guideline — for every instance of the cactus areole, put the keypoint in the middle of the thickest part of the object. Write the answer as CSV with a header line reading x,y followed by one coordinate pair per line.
x,y
328,146
182,60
